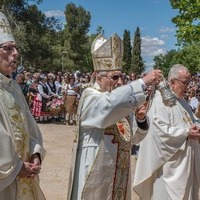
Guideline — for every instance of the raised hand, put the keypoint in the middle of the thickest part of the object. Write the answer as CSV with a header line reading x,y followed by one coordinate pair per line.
x,y
153,77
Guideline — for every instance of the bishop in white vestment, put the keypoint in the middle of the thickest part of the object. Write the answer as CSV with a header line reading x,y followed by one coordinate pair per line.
x,y
102,161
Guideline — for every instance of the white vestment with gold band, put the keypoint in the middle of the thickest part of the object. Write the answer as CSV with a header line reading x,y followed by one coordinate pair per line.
x,y
20,138
102,164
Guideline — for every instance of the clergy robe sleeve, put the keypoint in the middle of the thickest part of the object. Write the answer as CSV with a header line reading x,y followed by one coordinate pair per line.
x,y
101,110
139,133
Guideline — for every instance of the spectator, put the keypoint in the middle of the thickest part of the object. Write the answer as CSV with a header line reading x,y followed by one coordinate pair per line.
x,y
192,99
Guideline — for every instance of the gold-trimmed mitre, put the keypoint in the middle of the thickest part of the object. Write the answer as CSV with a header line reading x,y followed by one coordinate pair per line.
x,y
5,30
107,54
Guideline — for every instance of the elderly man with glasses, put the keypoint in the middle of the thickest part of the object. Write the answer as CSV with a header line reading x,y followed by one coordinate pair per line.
x,y
105,121
168,165
21,146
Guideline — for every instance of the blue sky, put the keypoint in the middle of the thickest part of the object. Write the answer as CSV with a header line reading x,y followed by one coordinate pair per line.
x,y
153,17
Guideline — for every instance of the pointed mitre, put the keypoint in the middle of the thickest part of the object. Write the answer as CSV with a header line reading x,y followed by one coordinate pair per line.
x,y
5,30
107,54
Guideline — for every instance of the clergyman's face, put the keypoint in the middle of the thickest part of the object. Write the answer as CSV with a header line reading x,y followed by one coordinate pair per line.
x,y
111,80
180,84
8,58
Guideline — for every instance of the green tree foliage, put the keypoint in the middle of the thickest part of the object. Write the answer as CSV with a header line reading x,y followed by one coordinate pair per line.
x,y
33,31
187,21
76,47
165,62
16,5
137,64
38,36
189,56
127,51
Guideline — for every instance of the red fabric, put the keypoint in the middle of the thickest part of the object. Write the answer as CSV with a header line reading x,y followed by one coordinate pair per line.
x,y
37,106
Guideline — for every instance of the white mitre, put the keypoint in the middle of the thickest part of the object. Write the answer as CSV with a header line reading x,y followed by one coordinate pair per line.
x,y
107,54
5,30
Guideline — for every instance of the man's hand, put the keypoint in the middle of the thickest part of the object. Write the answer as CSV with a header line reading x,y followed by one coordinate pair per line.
x,y
153,77
140,112
29,170
194,132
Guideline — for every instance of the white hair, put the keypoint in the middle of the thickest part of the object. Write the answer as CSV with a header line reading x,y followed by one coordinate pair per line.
x,y
175,70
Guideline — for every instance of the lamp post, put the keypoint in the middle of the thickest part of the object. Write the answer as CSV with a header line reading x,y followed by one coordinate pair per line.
x,y
62,59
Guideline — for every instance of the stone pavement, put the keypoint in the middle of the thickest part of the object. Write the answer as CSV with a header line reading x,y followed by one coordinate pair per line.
x,y
58,140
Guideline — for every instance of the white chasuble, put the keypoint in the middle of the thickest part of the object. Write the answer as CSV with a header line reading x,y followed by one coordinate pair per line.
x,y
20,139
110,173
101,168
168,165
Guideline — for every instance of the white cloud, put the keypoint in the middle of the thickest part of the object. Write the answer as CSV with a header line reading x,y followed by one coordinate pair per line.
x,y
54,13
153,51
149,66
152,46
159,51
166,29
152,41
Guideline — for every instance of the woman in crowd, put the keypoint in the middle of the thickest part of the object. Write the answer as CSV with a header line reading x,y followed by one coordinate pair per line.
x,y
20,78
192,99
33,90
58,83
39,110
51,83
72,97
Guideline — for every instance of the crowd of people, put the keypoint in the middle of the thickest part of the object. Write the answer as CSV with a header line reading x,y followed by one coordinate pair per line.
x,y
113,111
50,96
55,96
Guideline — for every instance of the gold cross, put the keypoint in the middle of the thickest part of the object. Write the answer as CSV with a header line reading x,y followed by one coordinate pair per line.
x,y
4,26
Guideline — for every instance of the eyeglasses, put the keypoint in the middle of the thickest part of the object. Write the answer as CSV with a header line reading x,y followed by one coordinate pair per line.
x,y
115,77
9,48
182,82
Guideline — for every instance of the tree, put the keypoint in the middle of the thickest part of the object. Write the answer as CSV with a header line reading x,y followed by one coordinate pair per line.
x,y
187,21
33,31
44,43
75,33
16,5
189,56
137,64
165,62
127,51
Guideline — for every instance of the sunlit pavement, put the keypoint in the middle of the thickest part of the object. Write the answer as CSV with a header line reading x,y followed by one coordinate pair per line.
x,y
58,140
